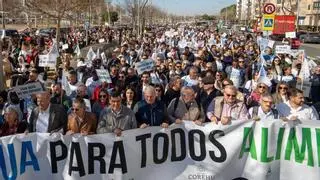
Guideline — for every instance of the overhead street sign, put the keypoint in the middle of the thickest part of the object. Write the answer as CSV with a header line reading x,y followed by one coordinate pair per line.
x,y
269,8
268,22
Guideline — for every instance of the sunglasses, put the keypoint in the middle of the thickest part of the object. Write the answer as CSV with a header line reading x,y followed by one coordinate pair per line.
x,y
285,88
121,76
178,66
102,96
231,95
75,109
262,87
158,90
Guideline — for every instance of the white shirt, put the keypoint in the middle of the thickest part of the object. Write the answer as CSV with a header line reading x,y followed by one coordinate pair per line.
x,y
303,112
262,115
189,82
43,121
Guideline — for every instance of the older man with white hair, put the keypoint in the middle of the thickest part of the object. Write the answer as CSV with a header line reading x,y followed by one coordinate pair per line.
x,y
150,111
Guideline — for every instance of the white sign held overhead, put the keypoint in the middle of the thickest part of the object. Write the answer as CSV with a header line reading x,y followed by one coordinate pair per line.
x,y
77,51
145,65
65,46
27,90
104,75
282,49
291,35
47,60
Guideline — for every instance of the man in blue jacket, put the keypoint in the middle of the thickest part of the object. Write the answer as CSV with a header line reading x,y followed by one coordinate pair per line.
x,y
150,111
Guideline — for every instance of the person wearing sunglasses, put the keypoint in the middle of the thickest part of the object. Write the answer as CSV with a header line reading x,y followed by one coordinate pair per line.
x,y
81,121
100,103
265,110
117,117
254,98
281,94
226,108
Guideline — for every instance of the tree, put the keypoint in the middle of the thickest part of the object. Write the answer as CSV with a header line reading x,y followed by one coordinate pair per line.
x,y
136,9
113,17
58,9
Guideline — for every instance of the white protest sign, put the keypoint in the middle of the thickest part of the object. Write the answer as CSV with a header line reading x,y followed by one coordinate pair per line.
x,y
282,49
104,75
77,51
249,150
25,91
270,43
145,65
47,60
101,40
290,34
65,46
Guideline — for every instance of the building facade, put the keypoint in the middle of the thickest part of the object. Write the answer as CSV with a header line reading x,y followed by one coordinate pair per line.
x,y
306,11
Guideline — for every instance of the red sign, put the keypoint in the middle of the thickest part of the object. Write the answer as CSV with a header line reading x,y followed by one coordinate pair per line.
x,y
269,8
284,23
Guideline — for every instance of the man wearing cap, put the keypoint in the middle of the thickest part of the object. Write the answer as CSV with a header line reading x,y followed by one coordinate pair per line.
x,y
208,93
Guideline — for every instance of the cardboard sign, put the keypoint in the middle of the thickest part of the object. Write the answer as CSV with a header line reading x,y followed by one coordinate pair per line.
x,y
27,90
282,49
145,65
47,60
104,75
291,35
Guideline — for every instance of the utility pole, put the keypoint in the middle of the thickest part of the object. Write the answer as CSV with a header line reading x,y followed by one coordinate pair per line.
x,y
297,15
2,11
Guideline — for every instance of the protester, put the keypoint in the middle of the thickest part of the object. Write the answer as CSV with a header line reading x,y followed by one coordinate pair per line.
x,y
117,117
12,125
81,121
295,109
186,108
150,111
227,108
265,110
101,103
47,117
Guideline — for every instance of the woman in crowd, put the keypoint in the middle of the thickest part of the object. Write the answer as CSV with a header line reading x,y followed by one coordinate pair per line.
x,y
254,98
129,97
101,103
281,94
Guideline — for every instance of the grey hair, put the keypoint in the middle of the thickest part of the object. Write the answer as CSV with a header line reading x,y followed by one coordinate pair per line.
x,y
149,89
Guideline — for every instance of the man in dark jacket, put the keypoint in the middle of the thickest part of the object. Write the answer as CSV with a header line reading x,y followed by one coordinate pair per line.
x,y
208,93
150,111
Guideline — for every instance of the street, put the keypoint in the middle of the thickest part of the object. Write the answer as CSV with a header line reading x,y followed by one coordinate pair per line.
x,y
312,50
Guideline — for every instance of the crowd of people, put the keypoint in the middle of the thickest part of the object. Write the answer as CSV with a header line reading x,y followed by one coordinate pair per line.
x,y
200,74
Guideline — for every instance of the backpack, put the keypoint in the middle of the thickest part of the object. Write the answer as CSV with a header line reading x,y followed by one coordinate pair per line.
x,y
256,108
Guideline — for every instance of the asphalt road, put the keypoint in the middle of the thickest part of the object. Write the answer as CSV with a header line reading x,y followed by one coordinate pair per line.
x,y
312,50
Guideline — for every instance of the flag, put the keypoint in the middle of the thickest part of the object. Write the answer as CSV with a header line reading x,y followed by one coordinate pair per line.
x,y
65,84
263,76
98,53
91,55
77,51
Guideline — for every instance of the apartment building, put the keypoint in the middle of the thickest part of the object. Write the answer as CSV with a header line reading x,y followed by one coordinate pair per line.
x,y
307,11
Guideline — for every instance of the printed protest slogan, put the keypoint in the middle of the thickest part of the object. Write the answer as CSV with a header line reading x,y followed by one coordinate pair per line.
x,y
245,149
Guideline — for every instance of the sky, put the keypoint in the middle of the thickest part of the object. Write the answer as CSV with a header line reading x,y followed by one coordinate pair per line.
x,y
193,7
190,7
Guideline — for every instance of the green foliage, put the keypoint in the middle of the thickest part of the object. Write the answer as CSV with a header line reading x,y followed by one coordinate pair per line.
x,y
208,17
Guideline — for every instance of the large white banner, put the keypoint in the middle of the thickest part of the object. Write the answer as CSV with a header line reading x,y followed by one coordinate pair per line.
x,y
267,150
